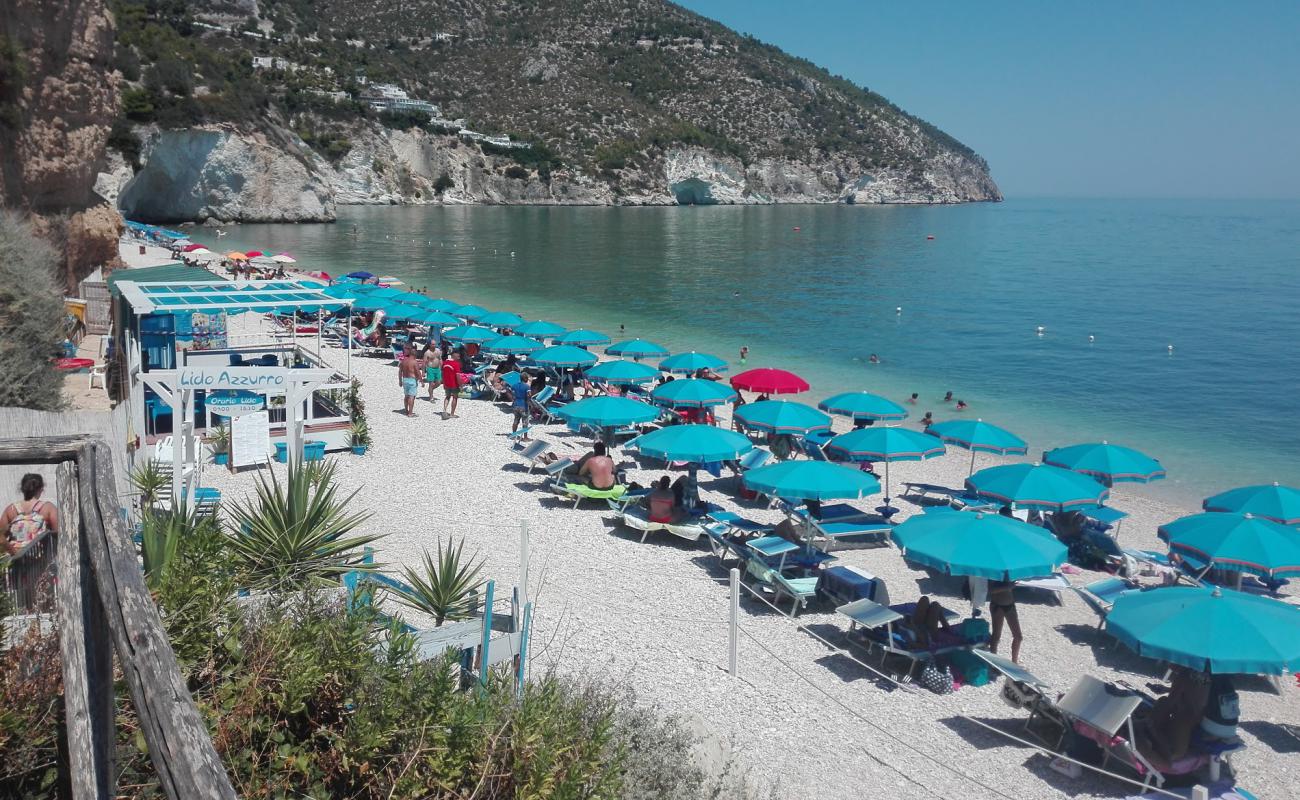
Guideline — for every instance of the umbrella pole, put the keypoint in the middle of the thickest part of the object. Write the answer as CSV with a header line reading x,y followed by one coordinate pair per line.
x,y
972,463
886,483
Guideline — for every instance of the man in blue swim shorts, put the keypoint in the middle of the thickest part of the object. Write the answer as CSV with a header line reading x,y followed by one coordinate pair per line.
x,y
408,376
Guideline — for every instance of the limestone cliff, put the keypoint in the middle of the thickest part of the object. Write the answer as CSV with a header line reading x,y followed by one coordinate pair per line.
x,y
58,98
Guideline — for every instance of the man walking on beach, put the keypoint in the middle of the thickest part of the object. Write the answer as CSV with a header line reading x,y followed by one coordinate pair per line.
x,y
450,384
432,367
408,377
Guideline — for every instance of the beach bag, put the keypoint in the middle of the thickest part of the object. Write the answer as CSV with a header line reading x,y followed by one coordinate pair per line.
x,y
27,525
974,671
975,630
937,681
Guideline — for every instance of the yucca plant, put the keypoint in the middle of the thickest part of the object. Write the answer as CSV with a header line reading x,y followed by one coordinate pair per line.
x,y
295,535
219,439
446,587
149,480
318,472
162,533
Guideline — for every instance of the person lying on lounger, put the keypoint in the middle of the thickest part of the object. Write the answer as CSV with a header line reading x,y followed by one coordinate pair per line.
x,y
927,620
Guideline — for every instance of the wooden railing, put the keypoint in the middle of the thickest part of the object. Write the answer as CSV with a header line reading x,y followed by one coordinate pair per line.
x,y
104,609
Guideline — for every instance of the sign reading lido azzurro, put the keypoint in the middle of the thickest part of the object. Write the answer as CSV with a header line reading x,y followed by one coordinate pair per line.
x,y
228,403
231,378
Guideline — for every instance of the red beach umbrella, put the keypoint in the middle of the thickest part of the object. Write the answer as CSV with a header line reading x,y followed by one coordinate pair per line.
x,y
254,253
190,248
767,380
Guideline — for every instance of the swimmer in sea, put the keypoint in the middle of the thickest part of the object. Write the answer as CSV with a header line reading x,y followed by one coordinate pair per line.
x,y
961,405
947,398
928,419
913,399
875,359
744,354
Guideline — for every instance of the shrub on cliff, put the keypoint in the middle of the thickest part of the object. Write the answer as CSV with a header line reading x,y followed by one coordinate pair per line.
x,y
31,317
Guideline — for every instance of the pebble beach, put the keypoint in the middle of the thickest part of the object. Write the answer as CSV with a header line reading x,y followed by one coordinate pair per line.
x,y
805,717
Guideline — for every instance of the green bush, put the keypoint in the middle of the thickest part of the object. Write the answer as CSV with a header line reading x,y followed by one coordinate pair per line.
x,y
31,318
516,172
443,183
137,104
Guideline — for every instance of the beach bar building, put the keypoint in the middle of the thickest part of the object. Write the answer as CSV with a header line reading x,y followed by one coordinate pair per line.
x,y
186,374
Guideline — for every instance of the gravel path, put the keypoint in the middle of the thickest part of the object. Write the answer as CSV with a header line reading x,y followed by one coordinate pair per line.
x,y
802,717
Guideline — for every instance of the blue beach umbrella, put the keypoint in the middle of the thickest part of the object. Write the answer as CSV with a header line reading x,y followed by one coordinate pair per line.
x,y
439,304
811,480
693,393
469,311
1270,501
637,348
979,436
516,345
368,302
360,275
1212,629
1108,463
1236,542
863,405
980,545
386,293
692,362
434,319
885,444
470,333
398,312
1038,486
607,412
622,372
581,338
563,356
500,319
539,328
409,298
697,444
341,290
782,416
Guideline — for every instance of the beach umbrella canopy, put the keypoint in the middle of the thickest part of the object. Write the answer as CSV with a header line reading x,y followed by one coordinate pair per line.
x,y
517,345
1236,542
607,412
1209,628
563,356
1275,502
540,328
1108,463
439,304
811,480
434,319
368,302
637,348
979,436
622,372
341,290
470,333
408,298
469,311
235,255
980,545
697,444
1038,486
692,393
768,380
500,319
863,405
692,362
254,254
190,248
402,313
782,416
361,275
284,258
387,293
581,338
885,444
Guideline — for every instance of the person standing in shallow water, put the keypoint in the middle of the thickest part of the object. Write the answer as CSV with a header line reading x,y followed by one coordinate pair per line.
x,y
744,354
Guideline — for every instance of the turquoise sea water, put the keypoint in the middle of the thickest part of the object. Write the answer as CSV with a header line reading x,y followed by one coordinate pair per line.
x,y
815,288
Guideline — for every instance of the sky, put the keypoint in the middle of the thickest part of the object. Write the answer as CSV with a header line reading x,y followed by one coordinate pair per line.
x,y
1135,98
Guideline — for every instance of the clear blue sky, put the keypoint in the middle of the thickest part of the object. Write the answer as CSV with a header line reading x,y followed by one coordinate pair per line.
x,y
1141,98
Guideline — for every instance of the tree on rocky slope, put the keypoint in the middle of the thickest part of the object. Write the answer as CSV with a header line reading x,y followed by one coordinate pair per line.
x,y
31,312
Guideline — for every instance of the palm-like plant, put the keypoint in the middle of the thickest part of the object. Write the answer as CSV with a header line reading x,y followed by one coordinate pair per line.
x,y
161,535
446,587
149,480
219,439
295,535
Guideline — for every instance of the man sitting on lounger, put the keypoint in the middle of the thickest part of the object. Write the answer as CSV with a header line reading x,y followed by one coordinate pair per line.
x,y
598,470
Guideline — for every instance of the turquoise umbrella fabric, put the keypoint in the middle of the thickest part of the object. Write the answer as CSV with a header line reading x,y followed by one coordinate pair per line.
x,y
693,393
1108,463
469,311
637,348
692,362
979,436
563,356
581,338
368,302
341,290
864,405
697,444
500,319
1038,486
517,345
470,333
1236,542
540,328
1213,629
811,480
782,416
1271,501
431,318
397,312
622,372
386,293
885,444
409,298
607,412
440,304
980,545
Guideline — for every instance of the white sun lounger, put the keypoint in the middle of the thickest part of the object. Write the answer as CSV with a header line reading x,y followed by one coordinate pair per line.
x,y
1052,585
638,519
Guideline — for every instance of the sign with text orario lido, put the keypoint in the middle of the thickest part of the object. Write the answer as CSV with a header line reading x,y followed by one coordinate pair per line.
x,y
260,378
234,402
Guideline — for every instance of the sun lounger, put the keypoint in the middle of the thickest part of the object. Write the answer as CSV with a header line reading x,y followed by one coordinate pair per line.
x,y
540,404
1103,713
800,586
839,521
812,449
928,491
638,519
581,491
876,627
1101,594
1024,689
532,452
1052,585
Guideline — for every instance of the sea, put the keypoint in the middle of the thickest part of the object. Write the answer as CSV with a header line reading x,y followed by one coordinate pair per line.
x,y
1172,326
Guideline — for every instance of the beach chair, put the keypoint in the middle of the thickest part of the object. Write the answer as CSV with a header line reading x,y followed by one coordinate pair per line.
x,y
1052,586
580,491
800,587
873,626
1023,689
638,519
1103,713
811,448
540,403
839,521
531,452
752,460
1101,594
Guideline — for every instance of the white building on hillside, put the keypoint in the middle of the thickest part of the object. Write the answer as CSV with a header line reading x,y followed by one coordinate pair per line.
x,y
387,97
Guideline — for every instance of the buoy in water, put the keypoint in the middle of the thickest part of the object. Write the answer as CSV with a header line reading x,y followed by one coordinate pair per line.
x,y
898,309
512,253
796,228
1039,330
930,237
1092,338
1171,348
